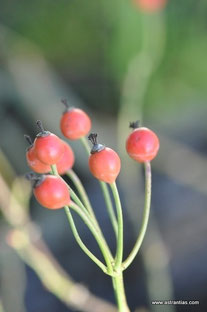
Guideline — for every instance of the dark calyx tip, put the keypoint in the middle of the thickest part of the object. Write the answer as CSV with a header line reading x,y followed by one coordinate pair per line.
x,y
65,102
93,138
67,107
96,146
34,178
30,176
29,140
42,132
134,124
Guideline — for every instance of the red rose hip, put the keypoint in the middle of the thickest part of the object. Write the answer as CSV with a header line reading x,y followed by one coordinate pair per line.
x,y
48,147
74,123
142,144
104,163
33,162
150,5
50,191
66,161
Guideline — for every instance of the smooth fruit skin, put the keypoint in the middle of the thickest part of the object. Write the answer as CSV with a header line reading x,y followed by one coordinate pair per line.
x,y
75,123
52,192
34,163
66,161
150,5
142,144
48,149
105,165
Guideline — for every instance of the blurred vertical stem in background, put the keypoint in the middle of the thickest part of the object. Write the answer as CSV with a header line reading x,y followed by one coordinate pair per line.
x,y
134,89
1,307
140,70
135,85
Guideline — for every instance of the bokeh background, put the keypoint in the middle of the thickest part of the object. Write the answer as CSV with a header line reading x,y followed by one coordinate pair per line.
x,y
119,64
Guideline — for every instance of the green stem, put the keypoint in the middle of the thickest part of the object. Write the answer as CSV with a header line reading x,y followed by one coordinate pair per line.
x,y
72,193
103,246
75,179
97,234
118,285
79,203
77,200
72,175
105,191
84,141
54,170
80,242
145,220
119,252
109,206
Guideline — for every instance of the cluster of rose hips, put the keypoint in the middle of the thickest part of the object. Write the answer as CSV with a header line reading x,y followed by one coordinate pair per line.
x,y
47,150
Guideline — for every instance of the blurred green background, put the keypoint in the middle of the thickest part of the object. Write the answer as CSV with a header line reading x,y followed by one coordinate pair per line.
x,y
119,64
